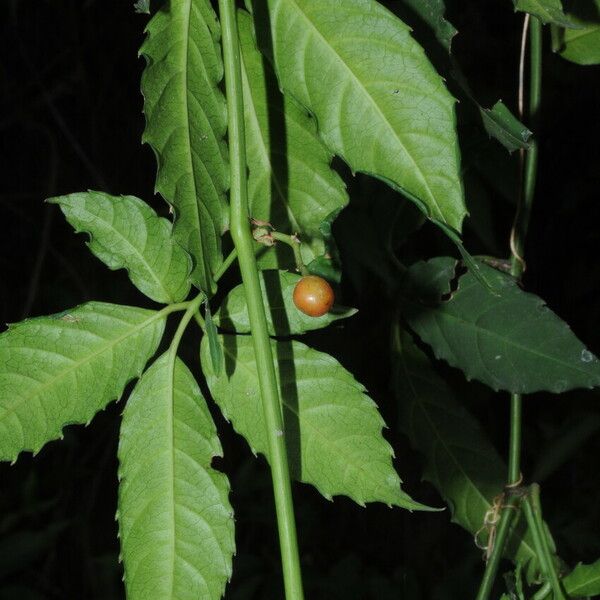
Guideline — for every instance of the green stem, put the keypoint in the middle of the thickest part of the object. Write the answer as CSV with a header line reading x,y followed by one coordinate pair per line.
x,y
502,533
226,264
514,449
517,246
294,243
522,217
533,513
543,592
192,307
200,321
179,307
242,238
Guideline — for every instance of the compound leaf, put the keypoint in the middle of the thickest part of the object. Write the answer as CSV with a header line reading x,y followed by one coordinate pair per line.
x,y
379,103
64,368
185,125
283,318
125,233
176,523
291,183
332,428
506,338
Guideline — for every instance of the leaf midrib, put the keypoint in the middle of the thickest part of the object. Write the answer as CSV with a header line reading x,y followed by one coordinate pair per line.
x,y
402,496
508,341
592,29
581,586
75,365
372,100
189,148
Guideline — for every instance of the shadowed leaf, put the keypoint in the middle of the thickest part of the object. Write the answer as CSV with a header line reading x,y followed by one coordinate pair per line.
x,y
379,103
332,428
506,338
291,183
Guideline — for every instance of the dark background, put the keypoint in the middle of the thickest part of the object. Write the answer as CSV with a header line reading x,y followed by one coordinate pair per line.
x,y
71,119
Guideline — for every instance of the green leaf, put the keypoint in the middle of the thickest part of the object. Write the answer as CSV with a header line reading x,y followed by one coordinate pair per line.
x,y
548,11
461,462
125,233
283,318
185,125
505,338
142,7
379,103
328,266
213,341
583,581
468,259
501,124
332,428
176,523
432,12
582,46
64,368
498,121
291,183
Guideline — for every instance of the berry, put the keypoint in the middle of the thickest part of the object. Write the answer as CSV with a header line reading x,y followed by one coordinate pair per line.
x,y
313,296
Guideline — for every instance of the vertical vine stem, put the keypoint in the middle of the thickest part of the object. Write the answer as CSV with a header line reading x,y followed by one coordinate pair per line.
x,y
242,239
517,246
533,513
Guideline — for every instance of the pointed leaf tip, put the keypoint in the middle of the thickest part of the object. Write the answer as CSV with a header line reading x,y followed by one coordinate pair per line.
x,y
413,147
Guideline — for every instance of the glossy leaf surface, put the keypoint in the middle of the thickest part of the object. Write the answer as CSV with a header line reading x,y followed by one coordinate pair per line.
x,y
379,103
125,233
332,428
283,318
64,368
291,184
185,125
506,338
176,523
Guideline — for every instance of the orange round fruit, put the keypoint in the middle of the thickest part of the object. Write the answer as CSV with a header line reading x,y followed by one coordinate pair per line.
x,y
313,296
